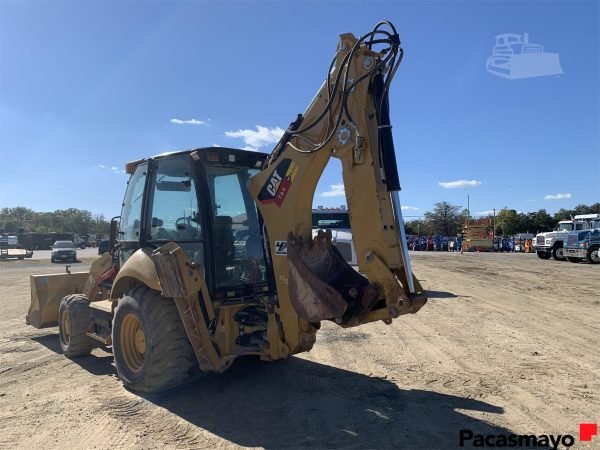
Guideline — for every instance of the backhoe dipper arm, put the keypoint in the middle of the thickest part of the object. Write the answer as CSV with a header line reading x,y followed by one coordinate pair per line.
x,y
348,119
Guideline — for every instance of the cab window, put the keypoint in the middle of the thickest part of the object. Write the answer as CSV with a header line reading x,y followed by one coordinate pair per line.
x,y
173,213
239,255
131,214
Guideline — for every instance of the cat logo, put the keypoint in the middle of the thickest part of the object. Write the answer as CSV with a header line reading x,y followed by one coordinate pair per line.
x,y
280,182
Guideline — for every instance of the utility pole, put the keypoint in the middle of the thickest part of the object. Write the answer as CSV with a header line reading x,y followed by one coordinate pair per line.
x,y
468,209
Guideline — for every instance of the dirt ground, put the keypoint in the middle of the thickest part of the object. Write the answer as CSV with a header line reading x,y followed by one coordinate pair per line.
x,y
508,343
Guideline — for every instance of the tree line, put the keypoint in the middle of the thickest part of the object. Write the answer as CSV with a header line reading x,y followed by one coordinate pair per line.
x,y
447,220
69,220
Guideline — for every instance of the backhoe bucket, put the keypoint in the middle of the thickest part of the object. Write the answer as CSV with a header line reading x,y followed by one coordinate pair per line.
x,y
323,286
46,293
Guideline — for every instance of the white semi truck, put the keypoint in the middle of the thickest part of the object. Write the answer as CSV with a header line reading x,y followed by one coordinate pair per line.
x,y
551,244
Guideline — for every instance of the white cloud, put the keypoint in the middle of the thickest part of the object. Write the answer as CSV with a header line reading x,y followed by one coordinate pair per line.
x,y
113,169
337,190
409,208
259,137
247,147
558,196
459,184
487,212
191,121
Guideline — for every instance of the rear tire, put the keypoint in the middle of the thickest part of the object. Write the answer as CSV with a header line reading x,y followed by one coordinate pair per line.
x,y
593,256
573,260
151,349
73,322
558,254
543,255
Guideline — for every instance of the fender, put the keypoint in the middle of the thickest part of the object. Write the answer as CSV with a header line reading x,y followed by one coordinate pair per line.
x,y
139,267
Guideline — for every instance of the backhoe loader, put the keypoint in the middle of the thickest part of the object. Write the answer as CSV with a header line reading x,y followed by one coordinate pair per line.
x,y
213,255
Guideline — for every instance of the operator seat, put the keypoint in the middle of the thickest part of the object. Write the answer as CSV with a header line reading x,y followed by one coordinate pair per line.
x,y
223,241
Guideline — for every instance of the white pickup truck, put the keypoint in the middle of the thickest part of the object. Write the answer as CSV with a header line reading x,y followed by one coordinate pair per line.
x,y
551,244
338,221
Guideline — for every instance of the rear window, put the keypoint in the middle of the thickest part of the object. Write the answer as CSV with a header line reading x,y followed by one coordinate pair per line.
x,y
63,244
331,220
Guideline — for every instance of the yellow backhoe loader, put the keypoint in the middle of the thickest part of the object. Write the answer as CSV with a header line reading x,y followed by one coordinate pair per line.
x,y
213,255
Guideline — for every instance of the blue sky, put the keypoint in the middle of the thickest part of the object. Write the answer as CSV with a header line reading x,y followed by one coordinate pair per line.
x,y
87,86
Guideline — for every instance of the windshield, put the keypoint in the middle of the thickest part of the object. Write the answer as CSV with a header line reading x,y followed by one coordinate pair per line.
x,y
239,255
565,227
330,220
63,244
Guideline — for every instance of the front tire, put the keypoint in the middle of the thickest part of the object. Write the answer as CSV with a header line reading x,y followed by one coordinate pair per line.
x,y
593,256
150,345
73,322
558,254
543,255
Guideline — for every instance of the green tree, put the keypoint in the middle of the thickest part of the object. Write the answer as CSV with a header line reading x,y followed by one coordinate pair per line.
x,y
414,227
507,222
445,219
542,221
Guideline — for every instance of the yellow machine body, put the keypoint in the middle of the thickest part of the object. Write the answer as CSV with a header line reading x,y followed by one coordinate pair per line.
x,y
308,281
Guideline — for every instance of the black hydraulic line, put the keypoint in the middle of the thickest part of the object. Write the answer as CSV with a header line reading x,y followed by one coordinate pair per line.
x,y
390,38
386,140
345,63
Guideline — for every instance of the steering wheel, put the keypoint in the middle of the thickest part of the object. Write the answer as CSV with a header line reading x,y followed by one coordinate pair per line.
x,y
182,223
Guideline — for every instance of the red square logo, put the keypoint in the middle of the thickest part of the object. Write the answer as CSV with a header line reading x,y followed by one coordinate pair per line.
x,y
587,431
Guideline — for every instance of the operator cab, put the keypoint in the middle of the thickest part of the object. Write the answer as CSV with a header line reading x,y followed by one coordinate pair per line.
x,y
199,200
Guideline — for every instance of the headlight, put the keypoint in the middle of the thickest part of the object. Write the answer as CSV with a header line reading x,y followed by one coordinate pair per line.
x,y
548,241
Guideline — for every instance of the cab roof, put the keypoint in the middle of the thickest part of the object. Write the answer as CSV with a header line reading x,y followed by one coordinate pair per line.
x,y
131,165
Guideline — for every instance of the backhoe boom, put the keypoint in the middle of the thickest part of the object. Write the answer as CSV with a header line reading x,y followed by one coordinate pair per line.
x,y
348,119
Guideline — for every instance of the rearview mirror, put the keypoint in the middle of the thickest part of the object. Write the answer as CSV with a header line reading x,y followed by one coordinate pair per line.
x,y
114,229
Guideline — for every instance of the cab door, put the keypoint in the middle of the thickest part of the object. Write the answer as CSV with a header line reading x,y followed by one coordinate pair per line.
x,y
173,211
130,225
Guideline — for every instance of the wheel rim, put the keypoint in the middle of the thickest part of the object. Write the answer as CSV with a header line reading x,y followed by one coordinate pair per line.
x,y
560,253
65,328
133,342
595,256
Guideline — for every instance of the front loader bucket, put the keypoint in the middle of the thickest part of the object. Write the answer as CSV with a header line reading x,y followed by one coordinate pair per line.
x,y
46,293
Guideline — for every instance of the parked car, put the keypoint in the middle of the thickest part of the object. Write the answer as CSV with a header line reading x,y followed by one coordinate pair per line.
x,y
63,251
103,246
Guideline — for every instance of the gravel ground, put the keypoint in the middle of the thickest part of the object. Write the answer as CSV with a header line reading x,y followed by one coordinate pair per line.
x,y
508,343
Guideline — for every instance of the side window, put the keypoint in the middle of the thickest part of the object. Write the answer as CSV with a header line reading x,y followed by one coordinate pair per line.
x,y
131,213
